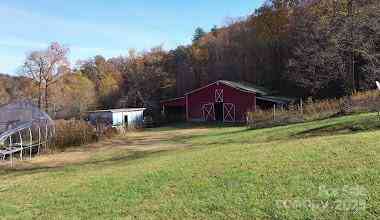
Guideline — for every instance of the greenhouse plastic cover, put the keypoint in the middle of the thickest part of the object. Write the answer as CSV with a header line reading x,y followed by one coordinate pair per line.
x,y
19,114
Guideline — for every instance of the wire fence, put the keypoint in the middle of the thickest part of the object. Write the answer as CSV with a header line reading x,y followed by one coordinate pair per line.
x,y
313,110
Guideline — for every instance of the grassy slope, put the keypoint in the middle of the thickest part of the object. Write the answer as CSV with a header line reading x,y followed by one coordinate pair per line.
x,y
227,173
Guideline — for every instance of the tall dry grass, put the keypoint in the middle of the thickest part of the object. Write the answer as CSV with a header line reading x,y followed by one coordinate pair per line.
x,y
366,101
70,133
309,110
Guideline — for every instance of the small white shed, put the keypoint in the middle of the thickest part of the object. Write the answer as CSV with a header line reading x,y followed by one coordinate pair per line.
x,y
126,117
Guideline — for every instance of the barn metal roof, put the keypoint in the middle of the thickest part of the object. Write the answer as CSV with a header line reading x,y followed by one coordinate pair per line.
x,y
242,86
276,99
246,87
262,93
120,110
172,99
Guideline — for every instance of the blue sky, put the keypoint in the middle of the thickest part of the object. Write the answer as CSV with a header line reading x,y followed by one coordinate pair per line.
x,y
109,28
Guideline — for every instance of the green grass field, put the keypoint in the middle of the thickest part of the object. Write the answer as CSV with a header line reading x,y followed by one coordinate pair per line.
x,y
327,169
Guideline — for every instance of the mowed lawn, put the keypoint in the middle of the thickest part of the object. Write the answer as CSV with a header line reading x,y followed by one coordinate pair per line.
x,y
327,169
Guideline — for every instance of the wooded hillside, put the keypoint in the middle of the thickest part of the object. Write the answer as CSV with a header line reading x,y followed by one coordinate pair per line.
x,y
300,48
320,48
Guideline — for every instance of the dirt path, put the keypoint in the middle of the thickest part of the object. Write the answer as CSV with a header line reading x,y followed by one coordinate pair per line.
x,y
145,141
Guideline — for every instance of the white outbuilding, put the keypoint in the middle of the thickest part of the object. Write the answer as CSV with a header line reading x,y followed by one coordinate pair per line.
x,y
126,117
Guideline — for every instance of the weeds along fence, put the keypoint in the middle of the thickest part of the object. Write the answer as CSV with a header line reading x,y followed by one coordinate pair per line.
x,y
70,133
313,110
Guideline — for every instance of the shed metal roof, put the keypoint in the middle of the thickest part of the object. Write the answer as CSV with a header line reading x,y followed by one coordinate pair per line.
x,y
120,110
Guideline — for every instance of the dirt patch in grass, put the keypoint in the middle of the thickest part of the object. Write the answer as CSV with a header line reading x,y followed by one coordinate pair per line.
x,y
119,146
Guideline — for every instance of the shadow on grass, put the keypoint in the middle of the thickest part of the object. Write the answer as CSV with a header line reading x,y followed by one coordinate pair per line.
x,y
192,125
347,127
322,127
131,156
199,136
128,156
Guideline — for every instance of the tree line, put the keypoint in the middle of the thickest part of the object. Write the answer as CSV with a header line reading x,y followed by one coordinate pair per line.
x,y
317,48
298,48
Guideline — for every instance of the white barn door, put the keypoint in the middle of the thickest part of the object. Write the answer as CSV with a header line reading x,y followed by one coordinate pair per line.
x,y
208,112
229,112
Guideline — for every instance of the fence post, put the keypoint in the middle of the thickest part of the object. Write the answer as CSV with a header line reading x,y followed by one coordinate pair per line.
x,y
301,105
21,145
31,143
274,112
10,144
46,136
39,140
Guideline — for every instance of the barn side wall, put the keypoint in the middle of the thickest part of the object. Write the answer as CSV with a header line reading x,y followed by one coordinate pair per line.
x,y
243,101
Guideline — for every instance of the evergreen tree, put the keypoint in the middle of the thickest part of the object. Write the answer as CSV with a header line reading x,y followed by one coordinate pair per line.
x,y
214,30
199,33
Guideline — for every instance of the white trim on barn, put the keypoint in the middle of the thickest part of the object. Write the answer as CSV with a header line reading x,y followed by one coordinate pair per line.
x,y
234,85
208,111
218,95
187,107
229,112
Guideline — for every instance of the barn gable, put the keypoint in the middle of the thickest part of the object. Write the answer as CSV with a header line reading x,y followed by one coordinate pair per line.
x,y
242,86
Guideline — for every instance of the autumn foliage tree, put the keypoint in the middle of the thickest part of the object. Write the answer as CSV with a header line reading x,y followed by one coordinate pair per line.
x,y
335,49
318,48
45,67
105,76
73,95
147,78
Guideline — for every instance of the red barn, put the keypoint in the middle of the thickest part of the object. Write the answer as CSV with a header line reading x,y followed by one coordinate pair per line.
x,y
224,101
